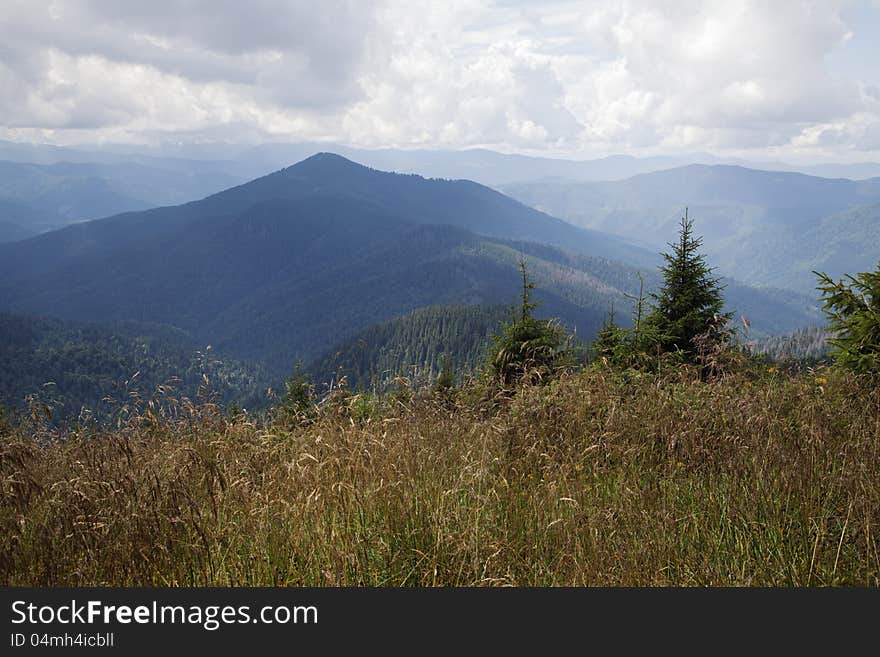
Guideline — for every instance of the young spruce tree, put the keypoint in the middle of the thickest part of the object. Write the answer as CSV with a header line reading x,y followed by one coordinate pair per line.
x,y
528,347
609,339
445,380
687,309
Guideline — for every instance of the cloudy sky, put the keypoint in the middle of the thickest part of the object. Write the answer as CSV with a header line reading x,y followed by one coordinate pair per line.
x,y
792,79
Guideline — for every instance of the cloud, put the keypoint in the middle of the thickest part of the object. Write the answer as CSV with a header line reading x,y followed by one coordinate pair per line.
x,y
569,77
75,65
712,74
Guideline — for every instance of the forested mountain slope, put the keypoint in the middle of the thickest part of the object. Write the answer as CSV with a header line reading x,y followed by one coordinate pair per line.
x,y
72,366
413,346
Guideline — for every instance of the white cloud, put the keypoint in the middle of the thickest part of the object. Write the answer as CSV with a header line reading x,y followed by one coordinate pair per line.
x,y
569,77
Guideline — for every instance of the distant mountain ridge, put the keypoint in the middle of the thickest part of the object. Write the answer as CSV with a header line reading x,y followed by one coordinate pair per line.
x,y
407,198
67,192
479,164
764,228
89,182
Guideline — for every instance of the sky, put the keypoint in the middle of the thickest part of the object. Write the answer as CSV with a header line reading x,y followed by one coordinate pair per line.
x,y
780,79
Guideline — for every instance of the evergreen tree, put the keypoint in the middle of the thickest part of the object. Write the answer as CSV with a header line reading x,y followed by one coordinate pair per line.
x,y
853,309
687,312
610,341
446,379
235,412
528,346
299,396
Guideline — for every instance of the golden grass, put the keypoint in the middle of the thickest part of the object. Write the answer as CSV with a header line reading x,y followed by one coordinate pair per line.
x,y
599,478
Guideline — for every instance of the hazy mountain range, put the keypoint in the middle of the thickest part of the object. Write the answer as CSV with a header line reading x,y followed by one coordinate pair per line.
x,y
65,184
36,198
288,266
480,165
764,228
354,270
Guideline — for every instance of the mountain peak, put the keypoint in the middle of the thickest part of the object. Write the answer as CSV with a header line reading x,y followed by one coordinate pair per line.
x,y
327,156
325,162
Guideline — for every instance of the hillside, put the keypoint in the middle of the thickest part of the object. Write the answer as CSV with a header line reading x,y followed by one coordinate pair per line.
x,y
413,346
72,366
281,293
764,228
808,345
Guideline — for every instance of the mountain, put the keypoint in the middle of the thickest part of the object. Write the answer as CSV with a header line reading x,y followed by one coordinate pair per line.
x,y
247,161
478,164
416,200
764,228
459,203
291,264
497,169
493,168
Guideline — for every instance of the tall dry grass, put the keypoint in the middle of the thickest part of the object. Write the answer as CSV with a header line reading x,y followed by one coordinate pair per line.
x,y
599,478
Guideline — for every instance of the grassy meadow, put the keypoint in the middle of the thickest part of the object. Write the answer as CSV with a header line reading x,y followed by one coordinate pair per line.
x,y
600,477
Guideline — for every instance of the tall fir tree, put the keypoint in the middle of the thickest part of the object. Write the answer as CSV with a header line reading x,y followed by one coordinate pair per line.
x,y
688,305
